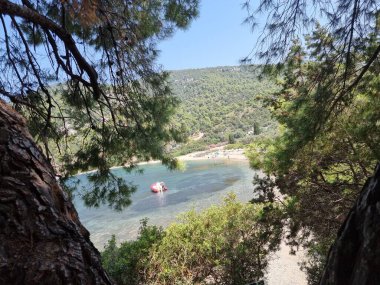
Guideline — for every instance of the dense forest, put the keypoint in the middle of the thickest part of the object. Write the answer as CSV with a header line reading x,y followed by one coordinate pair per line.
x,y
222,104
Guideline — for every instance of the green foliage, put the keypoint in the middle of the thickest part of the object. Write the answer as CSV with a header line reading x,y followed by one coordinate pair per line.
x,y
108,189
326,148
221,101
99,99
126,264
235,146
231,139
190,147
316,259
228,244
256,128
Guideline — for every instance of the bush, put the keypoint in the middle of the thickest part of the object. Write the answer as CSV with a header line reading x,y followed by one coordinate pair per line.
x,y
231,139
228,244
126,264
234,146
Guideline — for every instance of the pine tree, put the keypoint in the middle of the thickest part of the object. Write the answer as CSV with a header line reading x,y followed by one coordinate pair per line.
x,y
82,71
326,54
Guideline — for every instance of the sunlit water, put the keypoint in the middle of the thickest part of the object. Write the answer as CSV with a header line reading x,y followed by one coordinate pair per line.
x,y
202,184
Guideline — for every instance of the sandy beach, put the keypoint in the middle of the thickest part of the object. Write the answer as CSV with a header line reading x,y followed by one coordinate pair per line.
x,y
284,269
215,153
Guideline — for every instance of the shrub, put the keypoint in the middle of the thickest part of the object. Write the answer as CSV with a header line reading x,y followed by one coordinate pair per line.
x,y
228,244
126,264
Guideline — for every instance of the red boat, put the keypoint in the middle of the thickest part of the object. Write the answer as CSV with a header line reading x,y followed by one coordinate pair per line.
x,y
158,187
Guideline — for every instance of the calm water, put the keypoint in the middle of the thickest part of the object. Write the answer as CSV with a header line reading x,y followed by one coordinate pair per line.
x,y
202,184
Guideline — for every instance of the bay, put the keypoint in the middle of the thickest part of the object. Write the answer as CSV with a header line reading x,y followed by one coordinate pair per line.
x,y
202,184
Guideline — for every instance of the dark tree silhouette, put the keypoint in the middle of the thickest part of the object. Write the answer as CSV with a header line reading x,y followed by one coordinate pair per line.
x,y
42,240
354,258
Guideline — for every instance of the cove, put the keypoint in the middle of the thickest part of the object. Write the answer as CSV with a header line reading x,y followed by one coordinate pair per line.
x,y
202,184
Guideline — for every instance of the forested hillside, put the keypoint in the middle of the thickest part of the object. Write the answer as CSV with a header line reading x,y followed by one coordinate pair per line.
x,y
221,104
216,105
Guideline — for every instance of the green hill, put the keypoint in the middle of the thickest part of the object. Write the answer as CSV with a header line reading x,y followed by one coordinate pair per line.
x,y
218,105
221,104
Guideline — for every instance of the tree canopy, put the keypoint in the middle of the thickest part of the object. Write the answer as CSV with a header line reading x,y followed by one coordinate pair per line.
x,y
344,35
88,68
327,108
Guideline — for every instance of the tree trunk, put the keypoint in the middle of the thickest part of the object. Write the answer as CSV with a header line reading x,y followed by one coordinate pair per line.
x,y
41,238
354,258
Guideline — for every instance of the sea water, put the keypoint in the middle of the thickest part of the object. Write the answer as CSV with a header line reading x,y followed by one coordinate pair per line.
x,y
202,184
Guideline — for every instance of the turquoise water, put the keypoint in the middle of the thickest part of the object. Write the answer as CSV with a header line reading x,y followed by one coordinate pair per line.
x,y
202,184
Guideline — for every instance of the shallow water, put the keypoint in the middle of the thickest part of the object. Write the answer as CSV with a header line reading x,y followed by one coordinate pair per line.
x,y
202,184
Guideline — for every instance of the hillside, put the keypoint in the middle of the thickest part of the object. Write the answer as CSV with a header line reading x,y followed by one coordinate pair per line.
x,y
217,105
221,104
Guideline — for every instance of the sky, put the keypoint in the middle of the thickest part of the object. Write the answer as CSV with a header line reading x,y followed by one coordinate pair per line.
x,y
216,38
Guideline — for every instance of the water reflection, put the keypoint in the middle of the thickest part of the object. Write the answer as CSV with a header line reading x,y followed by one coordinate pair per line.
x,y
161,196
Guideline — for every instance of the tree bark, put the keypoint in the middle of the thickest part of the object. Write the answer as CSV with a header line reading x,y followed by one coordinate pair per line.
x,y
354,258
41,238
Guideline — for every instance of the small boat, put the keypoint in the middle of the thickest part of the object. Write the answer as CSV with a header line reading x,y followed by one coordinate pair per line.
x,y
158,187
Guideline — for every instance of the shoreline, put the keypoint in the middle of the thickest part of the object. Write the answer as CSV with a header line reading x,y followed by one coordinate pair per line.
x,y
213,153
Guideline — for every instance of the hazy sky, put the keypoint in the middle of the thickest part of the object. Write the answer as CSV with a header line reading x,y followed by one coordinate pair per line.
x,y
217,37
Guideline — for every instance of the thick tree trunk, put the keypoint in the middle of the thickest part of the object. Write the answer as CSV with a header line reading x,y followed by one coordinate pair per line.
x,y
41,238
354,259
